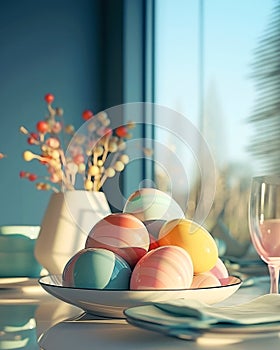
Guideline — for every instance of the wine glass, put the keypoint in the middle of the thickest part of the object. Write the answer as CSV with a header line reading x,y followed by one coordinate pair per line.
x,y
264,223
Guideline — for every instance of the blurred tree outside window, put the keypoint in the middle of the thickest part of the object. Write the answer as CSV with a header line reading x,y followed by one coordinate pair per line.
x,y
217,63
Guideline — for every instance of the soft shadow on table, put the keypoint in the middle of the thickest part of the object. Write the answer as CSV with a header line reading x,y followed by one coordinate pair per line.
x,y
26,310
101,333
88,332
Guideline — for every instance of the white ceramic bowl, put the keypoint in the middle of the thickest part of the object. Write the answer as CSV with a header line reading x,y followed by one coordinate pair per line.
x,y
112,303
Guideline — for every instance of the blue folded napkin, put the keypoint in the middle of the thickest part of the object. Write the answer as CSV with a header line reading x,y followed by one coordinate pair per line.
x,y
193,314
263,309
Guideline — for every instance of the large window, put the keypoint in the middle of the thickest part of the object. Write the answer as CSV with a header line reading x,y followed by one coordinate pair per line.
x,y
206,66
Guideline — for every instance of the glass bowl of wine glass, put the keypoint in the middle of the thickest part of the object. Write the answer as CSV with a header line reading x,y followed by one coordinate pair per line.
x,y
264,223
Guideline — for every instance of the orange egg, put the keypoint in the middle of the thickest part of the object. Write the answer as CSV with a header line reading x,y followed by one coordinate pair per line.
x,y
121,233
195,239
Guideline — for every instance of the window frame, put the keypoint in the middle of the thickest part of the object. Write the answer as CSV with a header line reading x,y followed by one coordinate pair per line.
x,y
127,76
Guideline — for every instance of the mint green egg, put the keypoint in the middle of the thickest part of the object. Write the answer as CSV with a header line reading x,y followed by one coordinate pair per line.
x,y
152,204
98,268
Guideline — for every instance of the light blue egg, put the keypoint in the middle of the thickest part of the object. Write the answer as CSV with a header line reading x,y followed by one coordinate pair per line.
x,y
100,268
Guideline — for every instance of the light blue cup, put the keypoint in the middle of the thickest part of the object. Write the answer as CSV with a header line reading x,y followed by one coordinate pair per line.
x,y
18,327
17,245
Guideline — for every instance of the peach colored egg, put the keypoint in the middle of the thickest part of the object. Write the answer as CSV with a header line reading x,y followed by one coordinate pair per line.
x,y
96,269
168,267
121,233
152,204
195,239
219,270
205,279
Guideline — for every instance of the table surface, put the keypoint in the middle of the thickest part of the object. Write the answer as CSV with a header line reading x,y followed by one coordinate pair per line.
x,y
32,319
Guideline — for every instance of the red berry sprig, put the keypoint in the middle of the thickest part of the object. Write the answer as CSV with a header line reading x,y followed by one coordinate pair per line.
x,y
47,139
42,127
87,114
30,176
49,98
87,155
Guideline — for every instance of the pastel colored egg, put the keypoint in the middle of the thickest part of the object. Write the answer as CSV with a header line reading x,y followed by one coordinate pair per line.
x,y
96,268
204,280
195,239
168,267
219,270
121,233
152,204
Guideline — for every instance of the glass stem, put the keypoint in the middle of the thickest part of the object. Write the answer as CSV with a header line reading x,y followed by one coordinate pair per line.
x,y
274,278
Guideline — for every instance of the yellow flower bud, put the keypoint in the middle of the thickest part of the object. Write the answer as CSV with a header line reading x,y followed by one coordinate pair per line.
x,y
113,147
44,148
110,172
23,130
98,151
93,170
54,163
28,156
55,154
124,158
119,166
88,185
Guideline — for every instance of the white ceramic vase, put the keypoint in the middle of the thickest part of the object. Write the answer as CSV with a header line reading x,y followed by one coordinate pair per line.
x,y
65,226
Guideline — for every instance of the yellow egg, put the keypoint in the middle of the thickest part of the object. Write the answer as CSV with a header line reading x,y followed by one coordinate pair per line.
x,y
195,239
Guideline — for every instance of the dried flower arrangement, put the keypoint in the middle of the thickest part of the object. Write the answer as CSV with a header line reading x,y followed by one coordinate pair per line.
x,y
75,154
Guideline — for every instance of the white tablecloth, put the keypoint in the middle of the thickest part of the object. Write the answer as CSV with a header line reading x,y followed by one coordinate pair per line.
x,y
56,329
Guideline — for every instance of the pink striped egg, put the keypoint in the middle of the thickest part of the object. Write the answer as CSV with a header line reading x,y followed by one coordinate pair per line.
x,y
204,280
219,270
167,267
121,233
